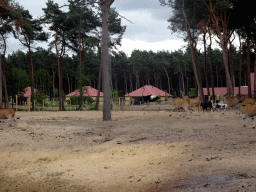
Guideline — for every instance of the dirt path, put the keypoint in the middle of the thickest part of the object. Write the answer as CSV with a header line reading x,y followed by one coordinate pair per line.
x,y
136,151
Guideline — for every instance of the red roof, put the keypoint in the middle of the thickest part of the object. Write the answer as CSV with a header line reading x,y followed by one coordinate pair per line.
x,y
27,92
147,90
90,91
223,90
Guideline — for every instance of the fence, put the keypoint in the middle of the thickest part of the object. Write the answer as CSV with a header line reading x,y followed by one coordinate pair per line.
x,y
53,105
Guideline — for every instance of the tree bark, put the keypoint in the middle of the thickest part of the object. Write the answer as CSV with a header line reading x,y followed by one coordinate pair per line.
x,y
222,33
254,76
125,80
53,82
248,67
32,78
105,61
59,58
211,68
1,87
99,81
130,77
240,64
168,79
68,84
205,68
194,57
231,65
230,89
61,103
182,83
5,87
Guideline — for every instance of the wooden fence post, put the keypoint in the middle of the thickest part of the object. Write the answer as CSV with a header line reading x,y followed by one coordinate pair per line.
x,y
16,102
28,103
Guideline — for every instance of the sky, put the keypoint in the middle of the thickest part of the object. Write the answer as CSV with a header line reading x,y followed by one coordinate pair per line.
x,y
149,30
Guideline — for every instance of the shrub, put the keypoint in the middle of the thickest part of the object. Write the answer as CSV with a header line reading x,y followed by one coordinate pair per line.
x,y
192,93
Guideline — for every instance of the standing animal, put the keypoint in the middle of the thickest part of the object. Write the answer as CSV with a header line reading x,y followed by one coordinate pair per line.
x,y
219,106
206,105
248,101
248,110
195,103
8,113
245,102
231,101
131,100
150,98
180,103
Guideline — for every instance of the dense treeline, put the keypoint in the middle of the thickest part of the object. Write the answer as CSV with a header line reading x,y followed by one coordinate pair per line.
x,y
199,20
79,30
128,73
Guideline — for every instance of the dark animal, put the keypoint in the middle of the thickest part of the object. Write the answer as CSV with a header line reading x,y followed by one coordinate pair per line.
x,y
206,105
150,98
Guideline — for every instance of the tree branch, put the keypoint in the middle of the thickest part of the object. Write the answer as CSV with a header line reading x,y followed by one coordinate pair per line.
x,y
97,3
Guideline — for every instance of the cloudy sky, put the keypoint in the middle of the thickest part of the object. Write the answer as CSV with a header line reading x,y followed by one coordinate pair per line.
x,y
148,32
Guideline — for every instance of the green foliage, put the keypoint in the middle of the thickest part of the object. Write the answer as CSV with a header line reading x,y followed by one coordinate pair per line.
x,y
192,93
76,99
92,108
89,100
17,80
115,93
175,94
159,101
40,97
55,91
42,78
82,81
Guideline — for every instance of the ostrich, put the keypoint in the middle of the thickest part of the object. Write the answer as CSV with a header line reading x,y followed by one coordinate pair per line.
x,y
150,98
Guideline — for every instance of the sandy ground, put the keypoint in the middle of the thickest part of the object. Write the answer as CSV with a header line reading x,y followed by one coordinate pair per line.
x,y
139,150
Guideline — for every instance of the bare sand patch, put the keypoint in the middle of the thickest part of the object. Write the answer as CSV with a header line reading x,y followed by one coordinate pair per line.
x,y
136,151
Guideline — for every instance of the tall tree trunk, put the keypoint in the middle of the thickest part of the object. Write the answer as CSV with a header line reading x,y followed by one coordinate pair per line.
x,y
61,103
130,77
136,73
138,79
167,79
5,87
32,79
68,83
171,86
182,83
240,63
125,80
194,56
155,78
205,68
230,89
220,22
105,62
161,83
116,82
99,81
254,87
217,76
53,82
254,77
211,68
1,87
232,74
248,67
